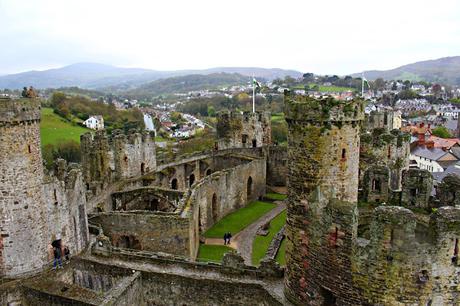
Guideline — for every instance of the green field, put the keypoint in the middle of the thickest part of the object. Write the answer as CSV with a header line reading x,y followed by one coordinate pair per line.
x,y
213,253
239,219
261,243
275,196
277,117
323,88
280,256
54,129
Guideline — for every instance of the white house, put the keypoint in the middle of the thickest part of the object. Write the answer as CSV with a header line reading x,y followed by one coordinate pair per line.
x,y
94,123
432,159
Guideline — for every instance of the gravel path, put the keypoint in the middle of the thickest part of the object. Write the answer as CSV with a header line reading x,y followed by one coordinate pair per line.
x,y
245,238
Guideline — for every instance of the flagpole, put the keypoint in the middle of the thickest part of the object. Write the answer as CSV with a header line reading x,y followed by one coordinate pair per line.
x,y
253,95
362,85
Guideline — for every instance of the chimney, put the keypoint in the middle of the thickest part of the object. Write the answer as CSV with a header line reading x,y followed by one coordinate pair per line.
x,y
429,144
429,125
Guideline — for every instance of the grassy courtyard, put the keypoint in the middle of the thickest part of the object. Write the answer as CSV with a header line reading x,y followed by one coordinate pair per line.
x,y
54,129
280,256
238,220
213,253
261,243
275,196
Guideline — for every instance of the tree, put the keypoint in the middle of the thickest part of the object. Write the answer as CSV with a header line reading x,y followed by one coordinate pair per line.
x,y
436,90
441,131
57,98
379,84
211,111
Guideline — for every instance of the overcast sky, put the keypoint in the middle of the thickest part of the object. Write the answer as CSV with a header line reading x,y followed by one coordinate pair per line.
x,y
327,37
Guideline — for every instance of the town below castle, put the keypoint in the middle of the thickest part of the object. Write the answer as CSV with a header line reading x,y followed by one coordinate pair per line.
x,y
356,204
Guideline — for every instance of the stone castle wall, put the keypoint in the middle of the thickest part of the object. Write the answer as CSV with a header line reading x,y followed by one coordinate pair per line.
x,y
383,148
107,159
64,193
23,215
247,130
323,158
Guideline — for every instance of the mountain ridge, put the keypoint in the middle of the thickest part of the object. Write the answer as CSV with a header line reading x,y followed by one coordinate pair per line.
x,y
443,70
94,75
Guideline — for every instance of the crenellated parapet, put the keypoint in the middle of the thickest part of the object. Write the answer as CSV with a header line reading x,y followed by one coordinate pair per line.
x,y
17,111
405,262
326,110
243,130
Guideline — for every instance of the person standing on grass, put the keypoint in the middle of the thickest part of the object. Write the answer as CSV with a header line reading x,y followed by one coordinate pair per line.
x,y
229,236
225,239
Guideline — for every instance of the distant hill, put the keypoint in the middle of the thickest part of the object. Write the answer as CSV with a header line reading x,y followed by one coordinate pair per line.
x,y
183,84
93,75
444,70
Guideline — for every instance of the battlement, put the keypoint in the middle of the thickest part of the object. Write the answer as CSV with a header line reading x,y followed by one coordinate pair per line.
x,y
305,108
14,111
241,130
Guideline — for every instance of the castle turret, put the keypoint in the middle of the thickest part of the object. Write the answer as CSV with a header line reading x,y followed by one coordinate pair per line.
x,y
323,159
23,220
247,130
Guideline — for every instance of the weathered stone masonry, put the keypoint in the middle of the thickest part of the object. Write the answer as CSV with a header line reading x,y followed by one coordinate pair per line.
x,y
323,157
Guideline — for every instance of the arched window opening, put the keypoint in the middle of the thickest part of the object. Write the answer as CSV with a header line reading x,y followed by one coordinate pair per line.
x,y
174,184
455,257
249,187
191,179
208,172
142,168
254,143
214,208
344,153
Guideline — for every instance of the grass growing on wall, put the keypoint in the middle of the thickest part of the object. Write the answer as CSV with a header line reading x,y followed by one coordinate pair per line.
x,y
55,129
261,243
238,220
213,253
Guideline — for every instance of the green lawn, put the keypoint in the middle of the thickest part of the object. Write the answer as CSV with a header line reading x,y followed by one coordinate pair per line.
x,y
280,256
277,117
213,253
275,196
261,243
239,219
54,129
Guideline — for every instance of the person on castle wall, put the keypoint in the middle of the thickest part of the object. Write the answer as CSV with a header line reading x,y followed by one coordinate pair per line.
x,y
66,253
57,258
29,93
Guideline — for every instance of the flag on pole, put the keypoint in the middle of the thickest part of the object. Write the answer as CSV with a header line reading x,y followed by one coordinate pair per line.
x,y
367,82
255,84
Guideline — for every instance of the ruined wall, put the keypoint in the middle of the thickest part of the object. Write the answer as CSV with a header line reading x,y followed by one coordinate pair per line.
x,y
406,263
390,149
376,184
247,130
277,169
225,191
416,188
23,219
64,193
107,159
145,198
321,228
164,289
142,230
448,192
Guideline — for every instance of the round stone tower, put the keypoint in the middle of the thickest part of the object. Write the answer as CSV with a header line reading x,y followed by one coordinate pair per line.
x,y
23,219
323,163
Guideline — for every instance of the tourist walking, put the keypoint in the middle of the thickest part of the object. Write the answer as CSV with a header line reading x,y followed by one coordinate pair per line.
x,y
229,236
225,238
